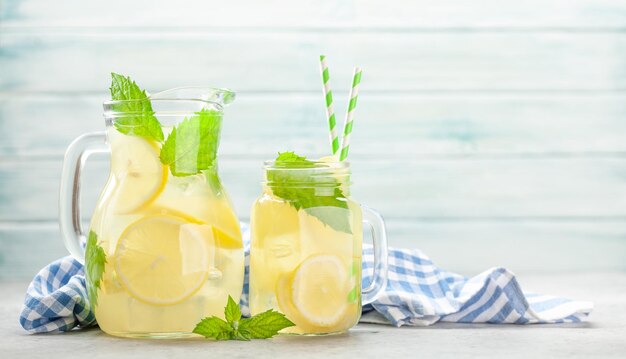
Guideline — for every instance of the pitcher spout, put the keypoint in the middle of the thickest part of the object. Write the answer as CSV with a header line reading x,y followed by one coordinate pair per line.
x,y
217,96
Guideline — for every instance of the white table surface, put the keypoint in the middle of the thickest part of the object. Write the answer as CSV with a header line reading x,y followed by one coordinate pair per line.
x,y
602,335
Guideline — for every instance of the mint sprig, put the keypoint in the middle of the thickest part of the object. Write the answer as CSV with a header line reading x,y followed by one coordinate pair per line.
x,y
264,325
297,188
95,259
291,159
137,117
261,326
192,145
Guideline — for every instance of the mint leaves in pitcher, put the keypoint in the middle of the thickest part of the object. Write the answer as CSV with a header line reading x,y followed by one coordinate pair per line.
x,y
95,260
191,147
139,119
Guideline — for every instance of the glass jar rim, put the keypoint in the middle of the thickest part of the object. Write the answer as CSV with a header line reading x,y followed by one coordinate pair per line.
x,y
310,174
308,165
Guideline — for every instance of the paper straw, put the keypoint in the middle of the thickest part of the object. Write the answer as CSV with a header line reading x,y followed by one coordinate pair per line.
x,y
347,128
330,113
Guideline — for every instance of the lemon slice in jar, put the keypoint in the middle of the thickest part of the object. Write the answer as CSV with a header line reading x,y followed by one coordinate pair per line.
x,y
328,159
315,296
140,176
163,259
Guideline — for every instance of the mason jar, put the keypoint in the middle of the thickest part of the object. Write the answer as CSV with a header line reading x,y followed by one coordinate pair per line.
x,y
306,247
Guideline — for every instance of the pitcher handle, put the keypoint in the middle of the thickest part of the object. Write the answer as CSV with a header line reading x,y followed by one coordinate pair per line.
x,y
379,237
69,195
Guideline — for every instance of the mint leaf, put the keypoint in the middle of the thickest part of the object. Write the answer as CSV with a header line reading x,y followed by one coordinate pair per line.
x,y
242,335
138,117
290,158
297,187
261,326
265,325
330,210
214,327
95,259
192,145
214,182
232,313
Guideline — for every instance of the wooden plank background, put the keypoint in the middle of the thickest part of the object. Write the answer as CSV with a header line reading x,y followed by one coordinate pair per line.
x,y
488,132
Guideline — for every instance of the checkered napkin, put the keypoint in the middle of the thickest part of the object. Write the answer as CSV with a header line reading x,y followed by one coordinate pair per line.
x,y
417,293
56,300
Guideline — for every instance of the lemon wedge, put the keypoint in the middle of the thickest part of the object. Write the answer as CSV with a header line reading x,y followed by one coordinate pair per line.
x,y
315,296
221,238
155,209
225,240
140,176
163,260
328,159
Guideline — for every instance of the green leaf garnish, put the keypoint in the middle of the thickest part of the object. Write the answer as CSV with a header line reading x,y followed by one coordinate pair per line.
x,y
261,326
192,145
298,189
95,259
232,313
214,327
138,117
264,325
291,159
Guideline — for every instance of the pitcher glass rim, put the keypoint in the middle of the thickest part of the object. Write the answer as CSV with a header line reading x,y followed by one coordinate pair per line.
x,y
216,96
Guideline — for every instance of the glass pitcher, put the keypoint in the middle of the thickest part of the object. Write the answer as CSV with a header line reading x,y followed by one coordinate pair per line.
x,y
306,248
164,247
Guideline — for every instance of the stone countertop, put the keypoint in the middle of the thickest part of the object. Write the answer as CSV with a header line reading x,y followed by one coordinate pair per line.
x,y
602,335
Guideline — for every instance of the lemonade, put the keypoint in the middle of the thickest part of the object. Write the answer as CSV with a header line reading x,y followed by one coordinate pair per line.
x,y
305,255
164,248
172,245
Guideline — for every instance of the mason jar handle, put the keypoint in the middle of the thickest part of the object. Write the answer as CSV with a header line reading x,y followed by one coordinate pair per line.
x,y
376,224
69,195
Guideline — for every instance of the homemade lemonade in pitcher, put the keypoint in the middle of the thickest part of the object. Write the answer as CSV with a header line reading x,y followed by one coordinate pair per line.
x,y
164,248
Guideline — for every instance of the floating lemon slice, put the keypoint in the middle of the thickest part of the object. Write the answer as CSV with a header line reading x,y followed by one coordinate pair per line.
x,y
163,259
155,209
225,240
138,171
222,239
315,297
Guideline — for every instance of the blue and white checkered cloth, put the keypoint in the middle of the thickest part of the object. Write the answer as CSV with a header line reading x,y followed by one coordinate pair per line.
x,y
418,293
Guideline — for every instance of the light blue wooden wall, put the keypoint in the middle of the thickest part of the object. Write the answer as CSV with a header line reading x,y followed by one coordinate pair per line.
x,y
488,132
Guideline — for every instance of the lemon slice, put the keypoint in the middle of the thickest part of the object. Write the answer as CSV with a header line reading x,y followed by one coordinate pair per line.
x,y
163,260
227,241
138,171
155,209
328,159
316,295
222,239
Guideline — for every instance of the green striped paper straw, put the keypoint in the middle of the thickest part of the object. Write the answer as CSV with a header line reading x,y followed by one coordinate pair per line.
x,y
347,128
330,113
